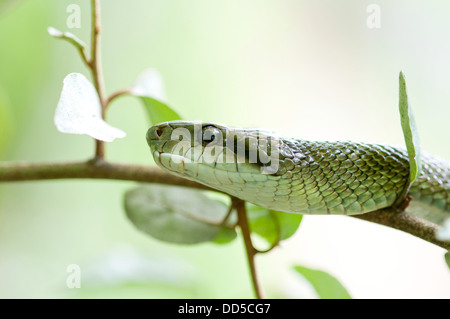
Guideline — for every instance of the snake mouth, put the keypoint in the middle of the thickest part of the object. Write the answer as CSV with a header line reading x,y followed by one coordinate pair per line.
x,y
169,161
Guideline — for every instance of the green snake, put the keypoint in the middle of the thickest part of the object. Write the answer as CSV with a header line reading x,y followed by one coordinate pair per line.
x,y
299,176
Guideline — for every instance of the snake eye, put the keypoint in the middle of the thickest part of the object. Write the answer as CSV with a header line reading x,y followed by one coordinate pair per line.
x,y
210,134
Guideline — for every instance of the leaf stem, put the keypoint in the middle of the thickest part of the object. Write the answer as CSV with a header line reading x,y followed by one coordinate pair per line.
x,y
249,248
72,39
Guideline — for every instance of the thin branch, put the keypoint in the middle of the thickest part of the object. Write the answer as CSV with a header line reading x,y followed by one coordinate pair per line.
x,y
249,248
96,69
116,95
96,60
72,39
91,169
83,55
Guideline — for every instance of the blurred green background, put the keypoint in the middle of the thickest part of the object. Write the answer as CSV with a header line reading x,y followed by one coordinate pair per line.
x,y
310,69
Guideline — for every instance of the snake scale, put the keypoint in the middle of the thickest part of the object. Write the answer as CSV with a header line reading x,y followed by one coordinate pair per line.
x,y
299,176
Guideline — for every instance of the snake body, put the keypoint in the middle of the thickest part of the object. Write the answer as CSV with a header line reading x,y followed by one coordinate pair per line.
x,y
308,178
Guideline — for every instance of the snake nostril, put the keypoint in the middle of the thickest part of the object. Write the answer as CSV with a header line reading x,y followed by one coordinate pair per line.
x,y
159,131
154,133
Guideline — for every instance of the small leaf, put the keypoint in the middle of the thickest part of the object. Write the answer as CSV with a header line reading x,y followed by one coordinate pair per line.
x,y
175,214
225,236
272,225
158,111
149,88
409,130
79,110
68,36
447,258
326,286
289,223
443,233
262,223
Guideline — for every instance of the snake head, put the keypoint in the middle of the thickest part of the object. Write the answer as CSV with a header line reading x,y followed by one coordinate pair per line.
x,y
214,154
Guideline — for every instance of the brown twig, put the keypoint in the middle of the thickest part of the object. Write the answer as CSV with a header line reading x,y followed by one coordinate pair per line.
x,y
95,65
83,56
116,95
91,169
249,248
72,39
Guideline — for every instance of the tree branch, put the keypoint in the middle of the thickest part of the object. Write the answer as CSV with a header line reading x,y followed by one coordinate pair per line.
x,y
91,169
115,95
249,248
152,174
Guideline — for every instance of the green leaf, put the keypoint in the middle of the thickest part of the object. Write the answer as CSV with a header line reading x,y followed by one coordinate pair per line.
x,y
326,286
409,130
176,214
79,110
158,111
447,258
225,236
272,225
149,88
262,223
289,223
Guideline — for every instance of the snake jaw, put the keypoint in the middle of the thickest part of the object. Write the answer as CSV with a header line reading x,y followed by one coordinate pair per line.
x,y
170,162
